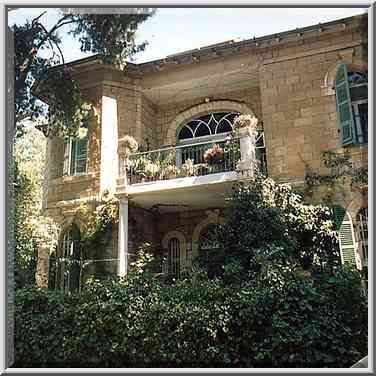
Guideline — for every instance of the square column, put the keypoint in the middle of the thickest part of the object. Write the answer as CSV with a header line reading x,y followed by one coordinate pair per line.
x,y
123,238
109,145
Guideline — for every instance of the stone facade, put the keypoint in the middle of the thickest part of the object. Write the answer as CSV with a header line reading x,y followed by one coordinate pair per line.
x,y
285,80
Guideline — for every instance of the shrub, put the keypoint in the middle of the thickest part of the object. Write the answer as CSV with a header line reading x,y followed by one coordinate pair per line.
x,y
198,322
268,302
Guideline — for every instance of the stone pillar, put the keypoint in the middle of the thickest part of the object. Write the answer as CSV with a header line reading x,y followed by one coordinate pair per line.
x,y
123,238
43,266
109,144
247,161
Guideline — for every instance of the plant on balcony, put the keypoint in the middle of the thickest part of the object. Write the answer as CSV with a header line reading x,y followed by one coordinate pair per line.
x,y
170,172
214,156
246,121
188,168
128,145
152,169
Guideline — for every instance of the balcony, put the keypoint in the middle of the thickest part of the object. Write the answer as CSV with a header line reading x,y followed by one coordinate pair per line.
x,y
190,173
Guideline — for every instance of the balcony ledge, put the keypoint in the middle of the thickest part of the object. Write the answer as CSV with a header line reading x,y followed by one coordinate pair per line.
x,y
180,183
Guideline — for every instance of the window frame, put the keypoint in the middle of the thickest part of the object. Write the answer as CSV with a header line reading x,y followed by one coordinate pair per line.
x,y
356,135
362,229
360,136
72,159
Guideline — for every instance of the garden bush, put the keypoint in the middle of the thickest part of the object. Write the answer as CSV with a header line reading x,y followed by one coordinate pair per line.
x,y
197,322
277,298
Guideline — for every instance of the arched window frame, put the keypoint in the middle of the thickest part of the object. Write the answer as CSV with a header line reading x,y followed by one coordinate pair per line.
x,y
212,136
362,234
183,252
69,257
217,137
352,109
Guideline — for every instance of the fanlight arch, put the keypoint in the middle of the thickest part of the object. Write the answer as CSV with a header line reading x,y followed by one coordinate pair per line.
x,y
202,109
210,124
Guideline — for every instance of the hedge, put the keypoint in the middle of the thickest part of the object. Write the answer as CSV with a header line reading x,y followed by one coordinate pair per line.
x,y
197,322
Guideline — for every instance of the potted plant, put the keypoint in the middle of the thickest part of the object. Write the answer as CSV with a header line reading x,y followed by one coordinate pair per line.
x,y
128,145
246,124
170,172
214,155
187,168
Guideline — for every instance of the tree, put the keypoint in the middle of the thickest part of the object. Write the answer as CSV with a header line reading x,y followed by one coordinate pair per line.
x,y
269,225
110,35
29,226
38,60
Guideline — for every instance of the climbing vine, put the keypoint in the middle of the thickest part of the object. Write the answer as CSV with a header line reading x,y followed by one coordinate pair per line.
x,y
341,170
97,221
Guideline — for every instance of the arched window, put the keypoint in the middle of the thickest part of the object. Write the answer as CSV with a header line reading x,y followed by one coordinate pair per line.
x,y
352,105
173,258
362,234
213,126
68,262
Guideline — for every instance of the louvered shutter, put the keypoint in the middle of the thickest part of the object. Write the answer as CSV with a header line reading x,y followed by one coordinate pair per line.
x,y
66,156
344,107
345,229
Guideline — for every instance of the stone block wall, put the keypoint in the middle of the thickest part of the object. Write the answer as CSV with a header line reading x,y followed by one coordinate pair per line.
x,y
165,115
149,124
298,106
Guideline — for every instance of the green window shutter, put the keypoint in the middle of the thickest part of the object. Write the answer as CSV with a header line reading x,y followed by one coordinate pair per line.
x,y
346,235
344,107
66,156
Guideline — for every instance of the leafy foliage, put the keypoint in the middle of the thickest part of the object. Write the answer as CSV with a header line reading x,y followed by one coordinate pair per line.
x,y
38,60
341,170
281,315
97,222
30,226
268,223
198,322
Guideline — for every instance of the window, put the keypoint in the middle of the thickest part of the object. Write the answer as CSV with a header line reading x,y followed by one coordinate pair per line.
x,y
362,234
212,127
174,258
208,125
346,235
75,154
68,262
352,105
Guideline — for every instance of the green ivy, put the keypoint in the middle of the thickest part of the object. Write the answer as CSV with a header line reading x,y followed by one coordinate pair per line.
x,y
341,169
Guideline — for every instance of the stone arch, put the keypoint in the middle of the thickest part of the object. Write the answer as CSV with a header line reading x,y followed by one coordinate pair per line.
x,y
356,204
183,247
67,223
353,63
213,217
201,109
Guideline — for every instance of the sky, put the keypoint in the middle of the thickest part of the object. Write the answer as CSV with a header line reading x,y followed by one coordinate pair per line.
x,y
174,30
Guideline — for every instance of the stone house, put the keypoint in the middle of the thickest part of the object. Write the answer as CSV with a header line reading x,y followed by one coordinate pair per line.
x,y
308,89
